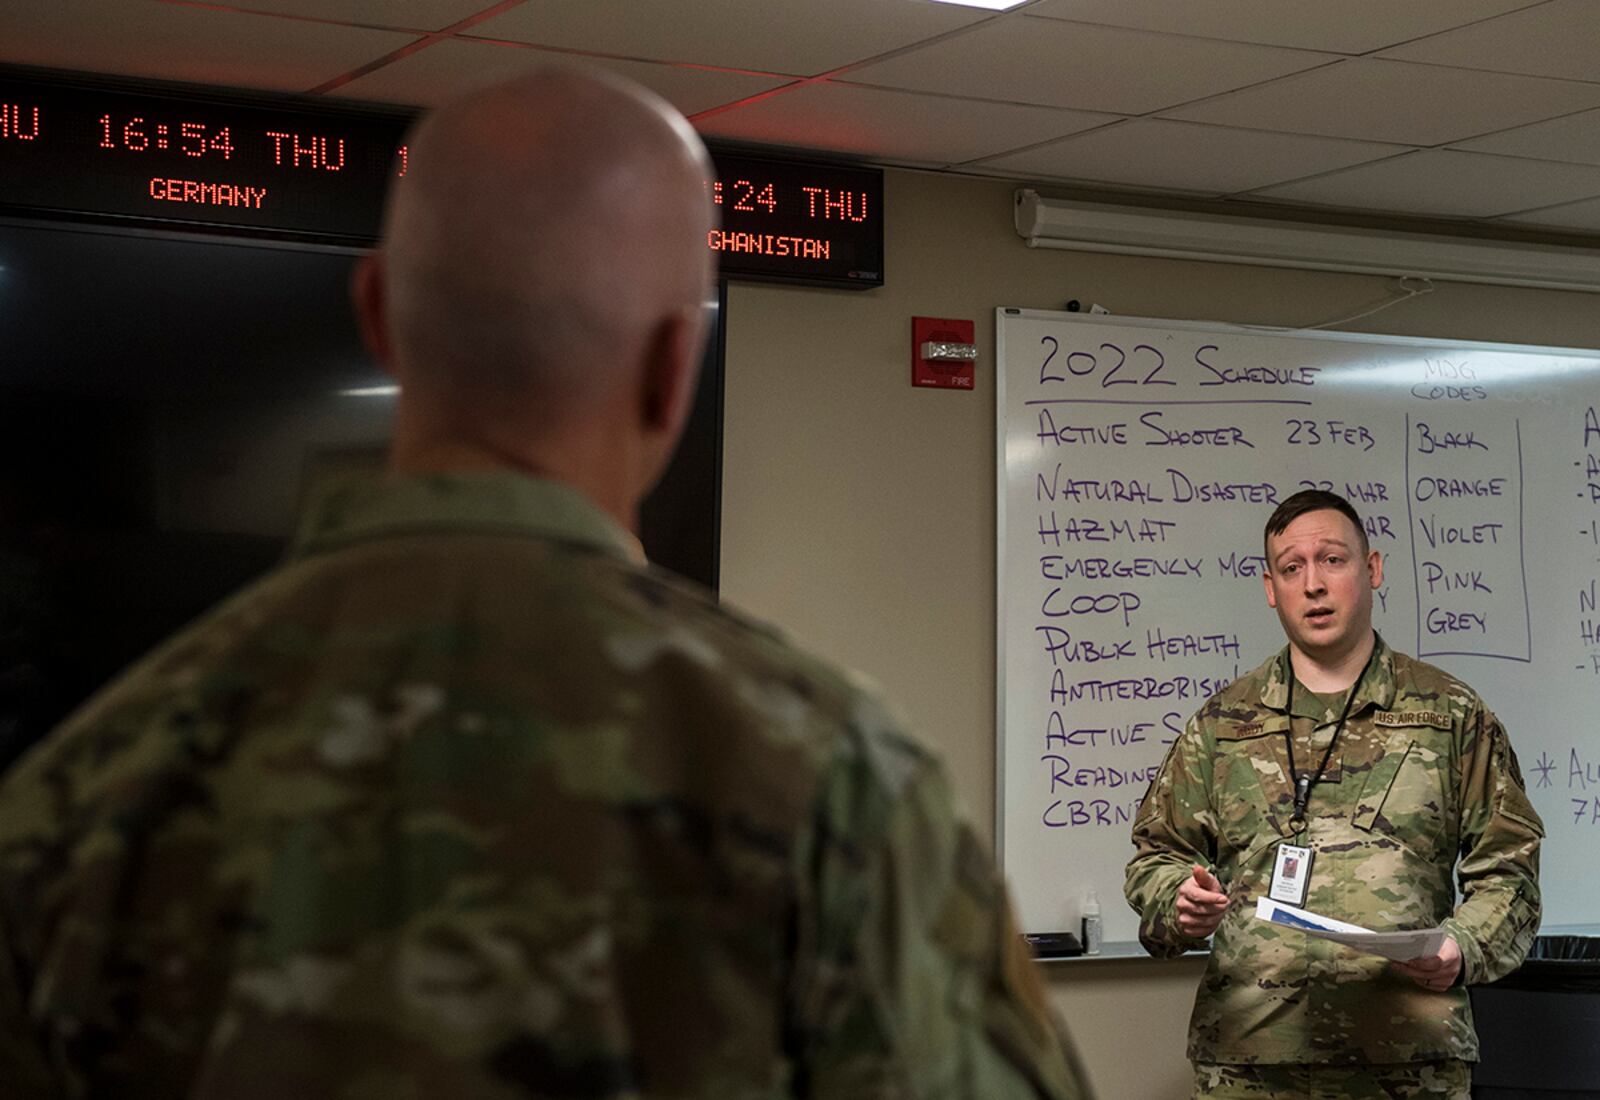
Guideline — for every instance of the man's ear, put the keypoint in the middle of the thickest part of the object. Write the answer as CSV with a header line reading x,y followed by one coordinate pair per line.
x,y
671,369
1266,582
1375,568
369,294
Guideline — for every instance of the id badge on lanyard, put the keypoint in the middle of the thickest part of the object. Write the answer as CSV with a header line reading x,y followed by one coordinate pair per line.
x,y
1291,875
1291,870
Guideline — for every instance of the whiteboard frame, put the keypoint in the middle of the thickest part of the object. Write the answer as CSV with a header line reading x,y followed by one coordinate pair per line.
x,y
1005,313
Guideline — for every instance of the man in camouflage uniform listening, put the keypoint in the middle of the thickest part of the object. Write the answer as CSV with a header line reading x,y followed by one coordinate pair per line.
x,y
1413,789
464,801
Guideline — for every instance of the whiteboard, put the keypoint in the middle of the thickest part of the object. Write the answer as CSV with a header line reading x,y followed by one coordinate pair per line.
x,y
1138,462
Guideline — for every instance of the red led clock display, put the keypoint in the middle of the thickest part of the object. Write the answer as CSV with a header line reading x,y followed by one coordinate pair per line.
x,y
93,148
795,220
116,150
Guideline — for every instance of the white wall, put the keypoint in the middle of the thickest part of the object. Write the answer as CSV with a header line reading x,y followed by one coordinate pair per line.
x,y
858,512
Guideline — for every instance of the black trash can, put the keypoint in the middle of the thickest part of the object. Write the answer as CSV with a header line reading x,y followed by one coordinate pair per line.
x,y
1539,1026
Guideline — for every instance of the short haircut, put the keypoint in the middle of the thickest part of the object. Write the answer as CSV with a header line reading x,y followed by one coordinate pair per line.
x,y
1310,500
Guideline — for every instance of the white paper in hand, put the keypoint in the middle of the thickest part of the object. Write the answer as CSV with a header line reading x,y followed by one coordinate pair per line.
x,y
1401,946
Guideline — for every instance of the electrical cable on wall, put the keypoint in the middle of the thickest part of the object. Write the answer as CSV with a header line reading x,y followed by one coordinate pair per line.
x,y
1405,288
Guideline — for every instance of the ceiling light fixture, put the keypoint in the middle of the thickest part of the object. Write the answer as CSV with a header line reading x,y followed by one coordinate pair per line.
x,y
989,5
1138,231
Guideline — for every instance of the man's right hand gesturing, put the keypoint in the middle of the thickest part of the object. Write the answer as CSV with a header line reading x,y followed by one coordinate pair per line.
x,y
1201,904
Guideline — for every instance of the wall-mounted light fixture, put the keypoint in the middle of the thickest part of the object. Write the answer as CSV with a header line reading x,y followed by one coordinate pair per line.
x,y
1101,227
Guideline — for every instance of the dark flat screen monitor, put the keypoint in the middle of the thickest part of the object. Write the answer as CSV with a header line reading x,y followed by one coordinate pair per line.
x,y
165,401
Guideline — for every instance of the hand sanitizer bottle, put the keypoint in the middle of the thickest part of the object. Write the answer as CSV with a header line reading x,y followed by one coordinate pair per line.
x,y
1091,924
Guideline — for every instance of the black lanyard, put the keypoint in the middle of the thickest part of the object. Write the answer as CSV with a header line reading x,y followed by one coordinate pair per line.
x,y
1304,783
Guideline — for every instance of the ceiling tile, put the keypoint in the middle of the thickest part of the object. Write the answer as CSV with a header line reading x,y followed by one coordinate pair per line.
x,y
447,68
173,42
1026,60
1347,26
1577,215
899,126
1448,184
778,36
414,15
1371,100
1558,38
1183,156
1575,138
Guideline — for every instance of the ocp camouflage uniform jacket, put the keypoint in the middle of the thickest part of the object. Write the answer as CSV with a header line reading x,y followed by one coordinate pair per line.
x,y
1422,776
463,803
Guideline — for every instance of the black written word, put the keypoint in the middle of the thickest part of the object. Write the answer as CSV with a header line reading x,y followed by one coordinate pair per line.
x,y
1192,437
1437,577
1056,567
1142,687
1079,529
1106,603
1242,565
1586,599
1081,489
1589,631
1076,814
1185,490
1095,776
1263,376
1144,365
1061,646
1580,810
1115,435
1426,488
1057,735
1430,440
1452,535
1591,427
1311,433
1427,392
1445,370
1582,774
1168,646
1448,381
1376,526
1366,492
1591,465
1440,621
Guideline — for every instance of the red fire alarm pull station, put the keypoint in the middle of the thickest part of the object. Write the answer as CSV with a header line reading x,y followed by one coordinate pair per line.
x,y
942,353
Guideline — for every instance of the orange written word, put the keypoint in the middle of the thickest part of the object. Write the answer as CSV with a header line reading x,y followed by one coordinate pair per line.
x,y
207,194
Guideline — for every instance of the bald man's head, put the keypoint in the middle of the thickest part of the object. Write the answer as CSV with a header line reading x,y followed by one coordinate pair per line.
x,y
545,230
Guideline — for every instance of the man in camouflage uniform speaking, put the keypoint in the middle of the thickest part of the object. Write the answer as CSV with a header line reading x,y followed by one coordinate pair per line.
x,y
465,802
1392,780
